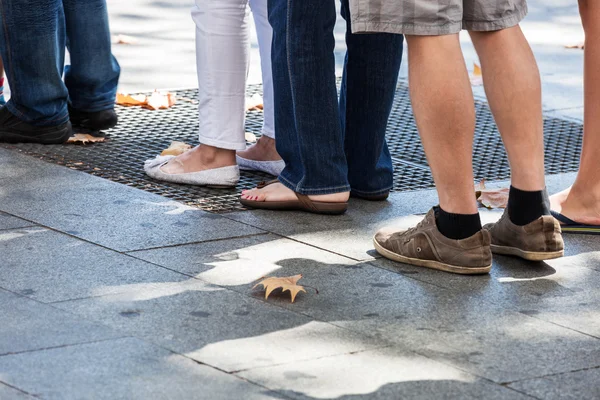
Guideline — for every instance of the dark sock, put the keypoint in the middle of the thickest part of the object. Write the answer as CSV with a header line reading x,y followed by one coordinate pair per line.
x,y
457,226
525,207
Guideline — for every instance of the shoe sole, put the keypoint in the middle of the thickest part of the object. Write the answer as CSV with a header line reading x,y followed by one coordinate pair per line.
x,y
527,255
52,137
430,263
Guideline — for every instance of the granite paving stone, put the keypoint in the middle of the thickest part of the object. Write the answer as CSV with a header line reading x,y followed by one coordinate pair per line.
x,y
6,392
461,329
219,327
578,385
388,373
49,266
11,222
126,368
27,325
104,212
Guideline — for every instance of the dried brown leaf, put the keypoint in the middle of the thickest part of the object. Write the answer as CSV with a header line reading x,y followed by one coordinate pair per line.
x,y
124,39
250,137
160,101
476,76
175,149
125,99
286,283
494,198
576,46
84,138
254,103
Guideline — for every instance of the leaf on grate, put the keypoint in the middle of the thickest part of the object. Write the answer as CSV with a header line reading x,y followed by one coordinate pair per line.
x,y
124,39
476,76
160,101
254,103
84,138
491,198
286,283
175,149
250,137
576,46
125,99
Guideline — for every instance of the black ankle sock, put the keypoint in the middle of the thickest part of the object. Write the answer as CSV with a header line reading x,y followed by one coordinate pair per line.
x,y
457,226
525,207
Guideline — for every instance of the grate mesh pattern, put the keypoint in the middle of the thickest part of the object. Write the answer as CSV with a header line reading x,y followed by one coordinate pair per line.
x,y
142,134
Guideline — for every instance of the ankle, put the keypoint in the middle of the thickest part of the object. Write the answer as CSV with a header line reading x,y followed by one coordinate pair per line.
x,y
457,226
525,206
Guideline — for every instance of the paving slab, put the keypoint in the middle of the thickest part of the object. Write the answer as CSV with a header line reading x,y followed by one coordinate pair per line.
x,y
578,385
388,373
27,325
104,212
50,266
239,262
6,392
121,369
11,222
219,327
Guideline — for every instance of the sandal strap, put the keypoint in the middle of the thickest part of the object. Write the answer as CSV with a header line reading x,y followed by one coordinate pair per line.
x,y
266,183
306,202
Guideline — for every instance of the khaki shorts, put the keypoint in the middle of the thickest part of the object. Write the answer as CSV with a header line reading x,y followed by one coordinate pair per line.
x,y
435,17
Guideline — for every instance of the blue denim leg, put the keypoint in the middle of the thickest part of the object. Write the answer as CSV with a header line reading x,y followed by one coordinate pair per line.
x,y
32,44
93,75
368,87
309,135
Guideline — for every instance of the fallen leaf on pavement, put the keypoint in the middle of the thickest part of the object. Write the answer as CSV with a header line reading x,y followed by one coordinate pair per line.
x,y
250,137
491,198
125,99
254,103
476,76
84,138
287,283
159,101
575,46
175,149
124,39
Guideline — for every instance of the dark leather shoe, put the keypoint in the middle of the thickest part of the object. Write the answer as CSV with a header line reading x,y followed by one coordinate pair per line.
x,y
369,197
97,121
13,130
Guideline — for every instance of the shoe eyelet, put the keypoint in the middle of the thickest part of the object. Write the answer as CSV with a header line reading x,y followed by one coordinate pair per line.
x,y
418,249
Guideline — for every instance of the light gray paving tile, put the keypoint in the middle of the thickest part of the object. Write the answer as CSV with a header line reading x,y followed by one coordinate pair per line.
x,y
7,392
464,330
387,373
242,261
49,266
121,369
579,385
349,234
104,212
27,325
219,327
10,222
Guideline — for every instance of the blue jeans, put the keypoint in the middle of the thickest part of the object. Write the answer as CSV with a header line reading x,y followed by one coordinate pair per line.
x,y
330,146
33,38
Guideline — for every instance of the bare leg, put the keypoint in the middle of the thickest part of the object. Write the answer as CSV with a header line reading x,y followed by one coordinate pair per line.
x,y
512,85
581,202
443,105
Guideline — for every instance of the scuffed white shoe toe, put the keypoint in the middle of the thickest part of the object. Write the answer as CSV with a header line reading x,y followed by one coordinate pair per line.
x,y
225,176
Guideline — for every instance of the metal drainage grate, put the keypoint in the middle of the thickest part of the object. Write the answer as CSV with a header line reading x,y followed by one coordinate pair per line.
x,y
142,134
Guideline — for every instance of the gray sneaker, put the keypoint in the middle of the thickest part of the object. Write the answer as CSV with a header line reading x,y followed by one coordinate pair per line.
x,y
536,241
425,246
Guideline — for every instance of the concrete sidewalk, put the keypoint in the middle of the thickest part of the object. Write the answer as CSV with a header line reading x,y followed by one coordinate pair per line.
x,y
109,292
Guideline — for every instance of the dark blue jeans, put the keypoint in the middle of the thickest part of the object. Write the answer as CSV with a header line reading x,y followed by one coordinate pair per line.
x,y
33,38
330,146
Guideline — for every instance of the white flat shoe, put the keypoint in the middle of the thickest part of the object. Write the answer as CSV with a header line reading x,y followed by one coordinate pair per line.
x,y
218,177
270,167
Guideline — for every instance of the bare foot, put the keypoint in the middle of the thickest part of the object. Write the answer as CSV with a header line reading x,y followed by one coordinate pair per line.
x,y
580,205
200,158
278,192
263,150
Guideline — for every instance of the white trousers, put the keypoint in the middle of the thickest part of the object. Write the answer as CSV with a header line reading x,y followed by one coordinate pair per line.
x,y
223,59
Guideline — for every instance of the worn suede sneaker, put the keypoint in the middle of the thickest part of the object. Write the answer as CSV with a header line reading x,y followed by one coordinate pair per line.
x,y
536,241
13,130
425,246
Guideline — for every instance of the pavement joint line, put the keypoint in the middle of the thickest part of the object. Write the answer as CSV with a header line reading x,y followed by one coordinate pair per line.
x,y
19,390
562,326
64,346
264,233
550,375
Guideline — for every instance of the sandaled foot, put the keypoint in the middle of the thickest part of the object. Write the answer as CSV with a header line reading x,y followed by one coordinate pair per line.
x,y
203,166
577,211
425,246
275,196
536,241
261,156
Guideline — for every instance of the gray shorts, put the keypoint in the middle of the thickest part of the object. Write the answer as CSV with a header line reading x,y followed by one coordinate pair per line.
x,y
435,17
